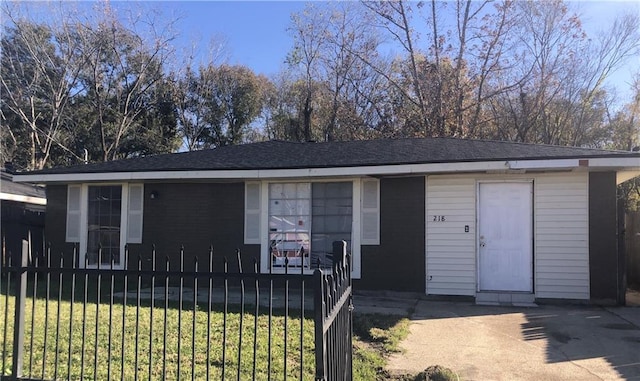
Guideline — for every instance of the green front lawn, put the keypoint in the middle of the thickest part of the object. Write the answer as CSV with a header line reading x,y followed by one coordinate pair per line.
x,y
374,337
97,358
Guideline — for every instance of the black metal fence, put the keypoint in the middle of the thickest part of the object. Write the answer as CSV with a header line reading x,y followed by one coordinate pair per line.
x,y
159,321
333,319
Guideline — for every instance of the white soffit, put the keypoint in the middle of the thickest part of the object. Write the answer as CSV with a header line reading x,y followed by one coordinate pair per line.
x,y
623,176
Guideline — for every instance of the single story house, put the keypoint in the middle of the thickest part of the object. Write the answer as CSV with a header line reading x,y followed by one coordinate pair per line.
x,y
490,220
22,211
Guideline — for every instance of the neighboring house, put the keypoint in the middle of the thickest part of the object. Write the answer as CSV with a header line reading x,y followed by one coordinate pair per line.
x,y
22,213
497,221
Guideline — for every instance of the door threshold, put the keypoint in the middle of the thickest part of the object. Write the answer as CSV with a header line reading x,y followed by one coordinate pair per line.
x,y
506,298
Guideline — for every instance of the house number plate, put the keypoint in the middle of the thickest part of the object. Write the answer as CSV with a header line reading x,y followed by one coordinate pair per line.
x,y
439,219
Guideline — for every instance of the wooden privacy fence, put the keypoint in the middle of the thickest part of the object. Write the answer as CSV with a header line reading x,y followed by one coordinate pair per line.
x,y
159,322
632,247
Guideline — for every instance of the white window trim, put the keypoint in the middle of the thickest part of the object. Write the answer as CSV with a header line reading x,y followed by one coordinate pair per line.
x,y
355,227
84,222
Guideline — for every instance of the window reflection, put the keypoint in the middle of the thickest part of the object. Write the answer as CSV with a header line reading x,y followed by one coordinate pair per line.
x,y
304,221
104,217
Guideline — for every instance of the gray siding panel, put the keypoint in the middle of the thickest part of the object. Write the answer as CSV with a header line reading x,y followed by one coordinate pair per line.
x,y
191,215
603,246
56,220
196,216
398,262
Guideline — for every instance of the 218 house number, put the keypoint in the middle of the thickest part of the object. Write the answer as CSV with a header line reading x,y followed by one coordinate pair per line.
x,y
438,219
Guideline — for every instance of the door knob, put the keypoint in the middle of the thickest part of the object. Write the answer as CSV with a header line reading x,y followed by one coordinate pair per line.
x,y
483,244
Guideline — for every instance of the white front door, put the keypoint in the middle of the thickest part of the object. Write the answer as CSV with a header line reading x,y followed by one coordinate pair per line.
x,y
505,237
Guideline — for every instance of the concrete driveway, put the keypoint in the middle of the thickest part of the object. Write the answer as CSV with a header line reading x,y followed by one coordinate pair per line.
x,y
508,343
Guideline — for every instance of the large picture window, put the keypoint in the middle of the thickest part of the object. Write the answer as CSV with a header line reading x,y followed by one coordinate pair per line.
x,y
305,219
104,217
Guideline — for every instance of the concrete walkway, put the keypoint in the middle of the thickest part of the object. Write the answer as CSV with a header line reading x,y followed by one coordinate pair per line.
x,y
506,343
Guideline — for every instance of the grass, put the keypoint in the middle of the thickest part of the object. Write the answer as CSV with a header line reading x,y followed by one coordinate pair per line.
x,y
102,360
375,337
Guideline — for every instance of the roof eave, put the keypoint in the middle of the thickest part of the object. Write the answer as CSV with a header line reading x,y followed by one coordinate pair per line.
x,y
23,198
593,164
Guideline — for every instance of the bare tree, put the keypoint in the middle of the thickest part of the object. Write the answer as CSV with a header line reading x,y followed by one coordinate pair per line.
x,y
484,32
561,97
39,76
121,68
308,31
82,72
190,94
394,18
624,125
609,51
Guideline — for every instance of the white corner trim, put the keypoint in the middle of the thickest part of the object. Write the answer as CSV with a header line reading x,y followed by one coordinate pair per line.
x,y
356,225
20,198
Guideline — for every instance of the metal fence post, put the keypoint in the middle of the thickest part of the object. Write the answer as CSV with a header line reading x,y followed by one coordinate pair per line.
x,y
339,251
319,313
18,327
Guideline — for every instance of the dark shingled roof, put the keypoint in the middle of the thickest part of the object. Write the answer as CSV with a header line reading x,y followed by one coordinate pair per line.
x,y
291,155
8,186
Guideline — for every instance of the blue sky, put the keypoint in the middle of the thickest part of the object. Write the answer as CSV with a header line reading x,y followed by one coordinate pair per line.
x,y
256,31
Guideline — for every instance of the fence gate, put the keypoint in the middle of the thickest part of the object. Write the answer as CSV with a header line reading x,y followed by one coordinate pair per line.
x,y
62,321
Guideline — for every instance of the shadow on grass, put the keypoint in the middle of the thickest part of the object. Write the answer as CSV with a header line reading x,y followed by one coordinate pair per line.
x,y
369,327
375,337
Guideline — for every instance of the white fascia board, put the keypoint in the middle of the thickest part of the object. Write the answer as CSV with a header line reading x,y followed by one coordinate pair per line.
x,y
403,169
266,173
613,163
21,198
543,164
126,176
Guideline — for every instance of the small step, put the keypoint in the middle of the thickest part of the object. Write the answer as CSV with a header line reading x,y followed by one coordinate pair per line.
x,y
501,298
